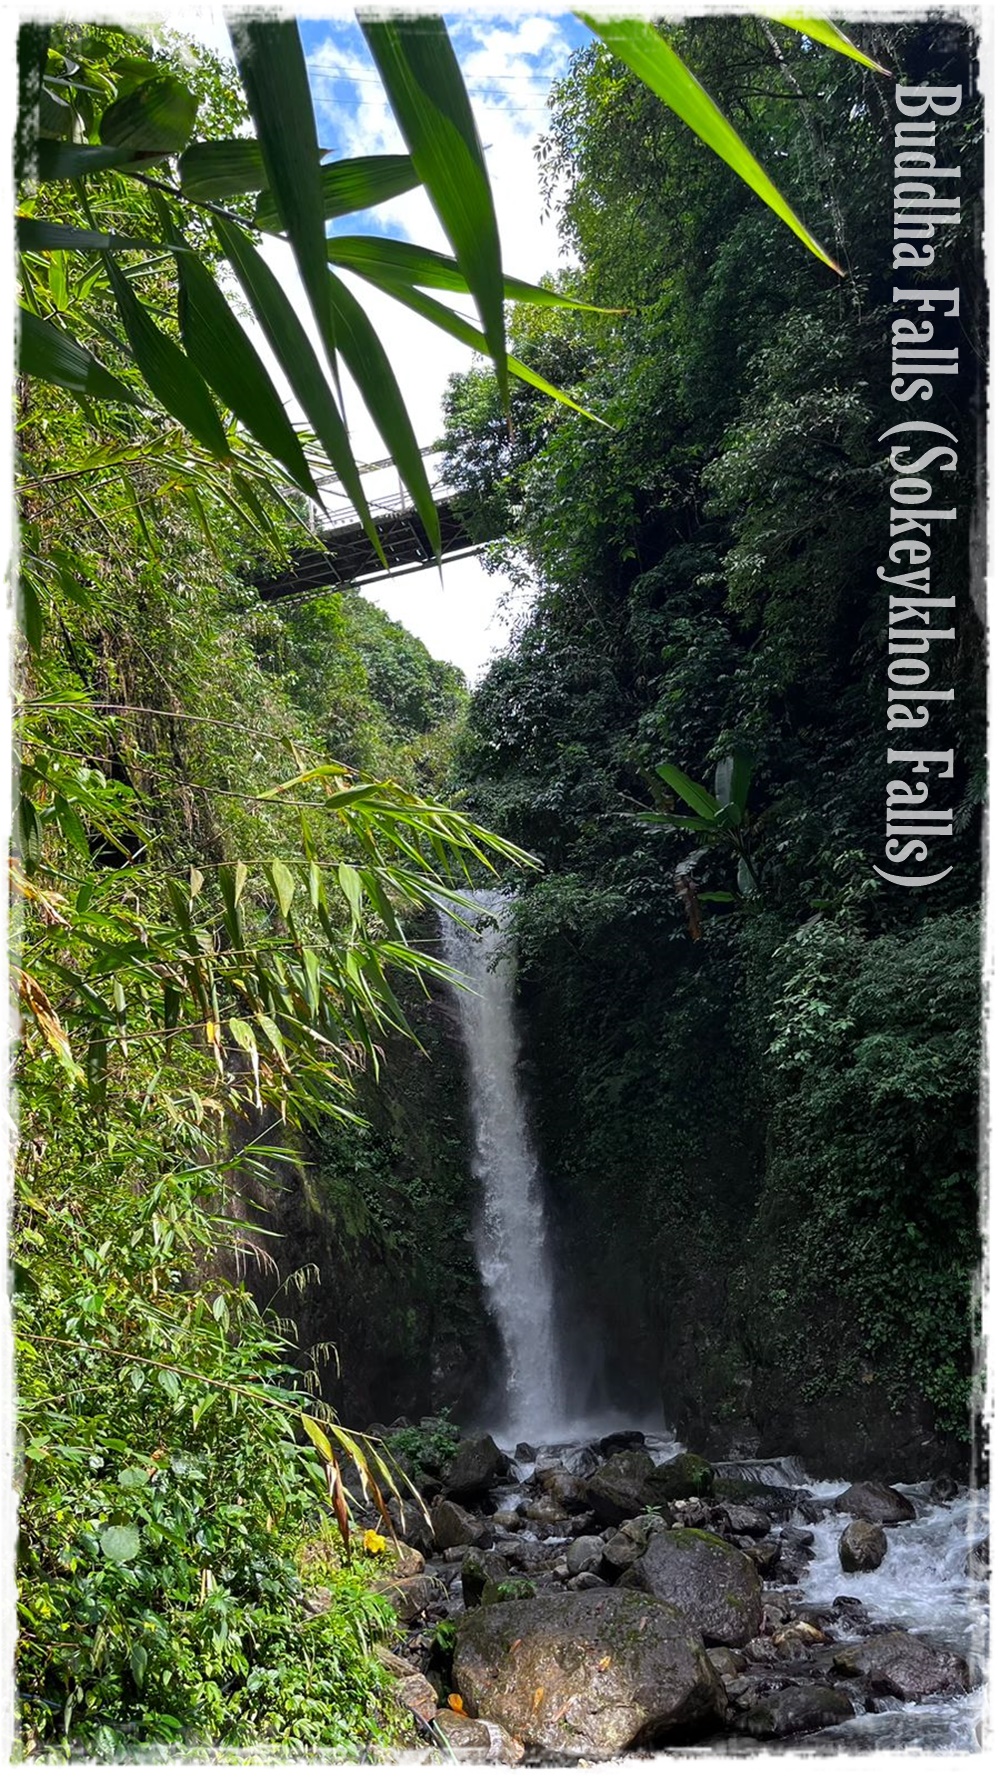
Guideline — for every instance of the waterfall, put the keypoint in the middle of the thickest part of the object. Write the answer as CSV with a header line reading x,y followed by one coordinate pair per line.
x,y
510,1235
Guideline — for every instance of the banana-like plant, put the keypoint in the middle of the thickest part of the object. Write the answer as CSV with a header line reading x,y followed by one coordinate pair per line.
x,y
92,123
719,819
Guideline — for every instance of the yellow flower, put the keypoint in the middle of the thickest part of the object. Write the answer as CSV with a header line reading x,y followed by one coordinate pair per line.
x,y
373,1543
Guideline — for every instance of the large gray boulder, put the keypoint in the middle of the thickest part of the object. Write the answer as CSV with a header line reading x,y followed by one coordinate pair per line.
x,y
482,1569
473,1469
584,1555
619,1488
454,1526
716,1587
584,1674
862,1547
876,1503
902,1665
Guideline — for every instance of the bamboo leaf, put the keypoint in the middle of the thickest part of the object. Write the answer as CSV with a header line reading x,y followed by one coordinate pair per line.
x,y
174,380
639,45
315,1432
75,160
822,31
382,256
36,235
460,329
273,70
52,356
157,116
284,885
422,78
222,169
221,349
350,185
291,346
366,359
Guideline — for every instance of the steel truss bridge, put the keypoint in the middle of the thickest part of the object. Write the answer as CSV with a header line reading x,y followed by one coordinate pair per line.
x,y
344,554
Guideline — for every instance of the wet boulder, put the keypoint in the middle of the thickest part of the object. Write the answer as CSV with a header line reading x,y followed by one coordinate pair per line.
x,y
746,1521
566,1491
902,1665
619,1488
862,1547
613,1442
475,1742
474,1467
453,1526
798,1710
584,1674
716,1587
682,1477
876,1503
626,1545
584,1555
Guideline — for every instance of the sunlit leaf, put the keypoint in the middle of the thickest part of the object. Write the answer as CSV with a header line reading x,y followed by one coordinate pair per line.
x,y
639,45
422,78
156,116
822,31
174,380
273,70
351,185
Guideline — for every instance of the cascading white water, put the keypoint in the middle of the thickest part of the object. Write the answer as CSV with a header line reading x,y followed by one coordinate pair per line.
x,y
511,1245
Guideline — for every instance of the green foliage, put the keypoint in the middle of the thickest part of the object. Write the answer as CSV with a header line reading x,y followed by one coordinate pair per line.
x,y
429,1446
702,595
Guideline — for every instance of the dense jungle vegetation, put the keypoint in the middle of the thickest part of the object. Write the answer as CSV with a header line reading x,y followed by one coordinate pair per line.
x,y
244,1193
770,1060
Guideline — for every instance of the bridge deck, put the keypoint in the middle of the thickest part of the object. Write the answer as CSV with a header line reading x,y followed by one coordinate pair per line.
x,y
346,556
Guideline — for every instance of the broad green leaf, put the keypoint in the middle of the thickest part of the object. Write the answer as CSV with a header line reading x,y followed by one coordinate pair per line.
x,y
221,349
744,878
121,1543
310,964
422,78
284,885
291,346
822,31
273,70
157,116
380,255
639,45
52,356
350,185
74,160
174,380
695,795
716,895
732,780
366,359
35,235
463,330
663,818
222,169
350,882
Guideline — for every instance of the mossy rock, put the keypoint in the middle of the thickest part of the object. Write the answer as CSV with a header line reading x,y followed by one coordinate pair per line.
x,y
682,1477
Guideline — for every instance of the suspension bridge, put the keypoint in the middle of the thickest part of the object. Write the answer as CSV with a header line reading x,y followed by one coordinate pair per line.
x,y
344,554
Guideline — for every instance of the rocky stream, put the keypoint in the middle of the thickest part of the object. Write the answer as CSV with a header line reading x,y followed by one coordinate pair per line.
x,y
570,1603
